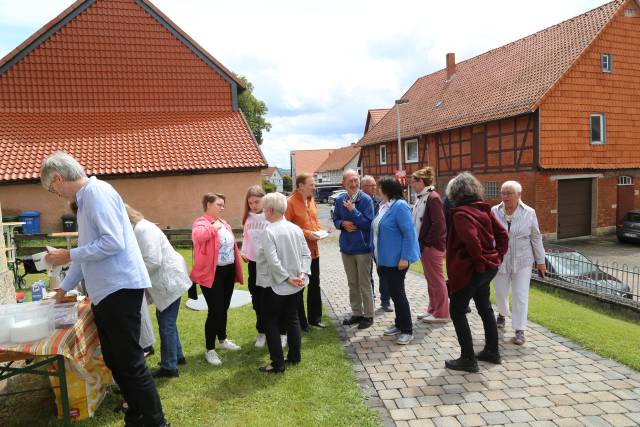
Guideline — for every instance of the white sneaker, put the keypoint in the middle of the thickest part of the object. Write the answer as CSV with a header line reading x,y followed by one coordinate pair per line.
x,y
212,358
229,345
283,340
421,316
431,319
404,339
261,340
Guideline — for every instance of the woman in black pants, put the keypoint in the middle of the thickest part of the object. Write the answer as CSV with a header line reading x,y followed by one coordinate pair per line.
x,y
476,245
216,267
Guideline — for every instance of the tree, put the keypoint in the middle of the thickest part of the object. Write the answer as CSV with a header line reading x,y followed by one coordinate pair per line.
x,y
267,186
254,110
287,183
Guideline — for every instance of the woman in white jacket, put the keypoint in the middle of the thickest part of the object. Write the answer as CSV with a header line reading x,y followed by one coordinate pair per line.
x,y
525,248
169,280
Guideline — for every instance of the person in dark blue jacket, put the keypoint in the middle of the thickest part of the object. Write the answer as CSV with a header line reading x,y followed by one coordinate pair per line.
x,y
352,215
395,248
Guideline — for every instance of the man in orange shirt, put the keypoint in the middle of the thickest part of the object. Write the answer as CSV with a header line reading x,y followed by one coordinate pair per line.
x,y
301,210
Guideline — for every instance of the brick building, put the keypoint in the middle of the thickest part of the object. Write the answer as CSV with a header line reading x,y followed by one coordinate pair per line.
x,y
557,110
138,102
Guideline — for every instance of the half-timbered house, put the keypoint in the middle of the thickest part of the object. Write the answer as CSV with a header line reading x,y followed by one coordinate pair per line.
x,y
557,110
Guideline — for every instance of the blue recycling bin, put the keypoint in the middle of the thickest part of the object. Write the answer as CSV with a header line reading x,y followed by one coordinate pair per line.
x,y
31,221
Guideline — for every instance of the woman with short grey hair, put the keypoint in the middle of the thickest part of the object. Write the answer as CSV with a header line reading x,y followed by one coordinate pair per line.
x,y
476,245
525,248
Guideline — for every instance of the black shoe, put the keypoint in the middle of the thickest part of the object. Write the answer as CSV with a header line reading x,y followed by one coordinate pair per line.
x,y
148,351
462,364
270,369
387,308
318,325
288,362
365,323
165,373
305,328
352,320
182,361
489,356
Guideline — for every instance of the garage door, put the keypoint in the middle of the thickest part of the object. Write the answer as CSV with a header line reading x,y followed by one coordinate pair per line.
x,y
574,208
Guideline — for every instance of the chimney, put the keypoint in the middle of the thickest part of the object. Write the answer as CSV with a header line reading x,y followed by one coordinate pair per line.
x,y
451,65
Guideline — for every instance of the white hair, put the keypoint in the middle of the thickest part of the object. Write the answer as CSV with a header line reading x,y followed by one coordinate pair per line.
x,y
275,201
462,186
515,185
349,172
368,178
62,164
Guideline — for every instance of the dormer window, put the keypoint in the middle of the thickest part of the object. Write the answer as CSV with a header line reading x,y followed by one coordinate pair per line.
x,y
606,62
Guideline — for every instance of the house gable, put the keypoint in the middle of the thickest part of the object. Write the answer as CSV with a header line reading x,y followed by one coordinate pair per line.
x,y
113,55
584,90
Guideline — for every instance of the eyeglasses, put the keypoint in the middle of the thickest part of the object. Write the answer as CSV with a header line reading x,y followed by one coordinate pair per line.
x,y
507,193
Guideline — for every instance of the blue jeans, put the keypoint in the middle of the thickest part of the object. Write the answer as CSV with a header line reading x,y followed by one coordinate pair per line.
x,y
170,347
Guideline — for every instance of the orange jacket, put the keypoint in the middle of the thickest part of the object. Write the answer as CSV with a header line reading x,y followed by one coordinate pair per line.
x,y
305,217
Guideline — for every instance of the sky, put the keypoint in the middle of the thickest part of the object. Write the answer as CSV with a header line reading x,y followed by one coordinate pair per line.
x,y
320,65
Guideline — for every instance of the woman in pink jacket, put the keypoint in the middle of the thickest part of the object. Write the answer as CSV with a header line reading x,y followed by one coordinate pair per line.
x,y
216,267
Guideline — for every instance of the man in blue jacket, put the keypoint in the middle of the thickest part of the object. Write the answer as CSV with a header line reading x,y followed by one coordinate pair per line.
x,y
352,215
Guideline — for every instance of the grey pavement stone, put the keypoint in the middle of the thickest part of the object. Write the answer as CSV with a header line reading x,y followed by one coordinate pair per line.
x,y
548,380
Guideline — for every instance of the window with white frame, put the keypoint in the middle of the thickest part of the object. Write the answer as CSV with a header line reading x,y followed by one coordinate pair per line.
x,y
383,154
606,62
598,128
625,180
491,190
411,151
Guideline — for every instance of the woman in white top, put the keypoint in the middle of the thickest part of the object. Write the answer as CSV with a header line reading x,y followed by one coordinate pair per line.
x,y
169,280
284,266
525,247
253,225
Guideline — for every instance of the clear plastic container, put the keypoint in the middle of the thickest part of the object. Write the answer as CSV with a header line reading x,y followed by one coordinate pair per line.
x,y
65,314
32,321
6,323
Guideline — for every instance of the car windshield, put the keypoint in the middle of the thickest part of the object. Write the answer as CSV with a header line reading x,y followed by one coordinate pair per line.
x,y
571,263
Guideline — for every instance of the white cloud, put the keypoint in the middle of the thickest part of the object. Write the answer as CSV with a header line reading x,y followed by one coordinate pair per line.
x,y
320,65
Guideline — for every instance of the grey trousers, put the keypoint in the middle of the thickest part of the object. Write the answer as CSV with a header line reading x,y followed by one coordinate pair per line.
x,y
358,269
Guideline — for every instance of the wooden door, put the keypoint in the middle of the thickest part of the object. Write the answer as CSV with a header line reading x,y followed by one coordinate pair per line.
x,y
574,208
625,201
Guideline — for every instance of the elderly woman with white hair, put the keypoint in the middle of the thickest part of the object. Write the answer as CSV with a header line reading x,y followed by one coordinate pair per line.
x,y
525,248
283,267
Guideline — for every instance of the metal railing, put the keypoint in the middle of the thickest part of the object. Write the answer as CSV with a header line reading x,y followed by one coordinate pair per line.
x,y
568,268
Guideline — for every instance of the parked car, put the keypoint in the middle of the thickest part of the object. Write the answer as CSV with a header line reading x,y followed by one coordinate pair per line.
x,y
569,265
323,193
334,196
629,229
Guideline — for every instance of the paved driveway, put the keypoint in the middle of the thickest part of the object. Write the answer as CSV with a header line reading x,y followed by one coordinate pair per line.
x,y
607,249
550,381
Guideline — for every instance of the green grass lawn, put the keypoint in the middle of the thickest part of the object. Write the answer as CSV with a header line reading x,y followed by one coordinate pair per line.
x,y
600,331
320,391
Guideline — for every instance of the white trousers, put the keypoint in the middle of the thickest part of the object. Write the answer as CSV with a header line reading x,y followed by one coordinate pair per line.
x,y
519,282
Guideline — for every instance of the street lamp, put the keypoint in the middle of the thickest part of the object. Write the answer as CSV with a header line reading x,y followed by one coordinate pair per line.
x,y
398,103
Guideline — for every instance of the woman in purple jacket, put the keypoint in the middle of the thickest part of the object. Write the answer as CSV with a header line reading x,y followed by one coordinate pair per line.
x,y
428,217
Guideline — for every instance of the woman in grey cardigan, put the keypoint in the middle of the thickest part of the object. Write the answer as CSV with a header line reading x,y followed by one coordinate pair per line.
x,y
525,248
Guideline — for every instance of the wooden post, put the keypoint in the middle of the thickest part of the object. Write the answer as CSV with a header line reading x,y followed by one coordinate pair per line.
x,y
7,290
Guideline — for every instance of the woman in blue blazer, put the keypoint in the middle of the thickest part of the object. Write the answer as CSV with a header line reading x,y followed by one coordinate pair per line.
x,y
395,247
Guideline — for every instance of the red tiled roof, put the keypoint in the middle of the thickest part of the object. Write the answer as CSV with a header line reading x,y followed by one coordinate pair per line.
x,y
125,90
269,171
503,82
308,161
338,159
126,143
